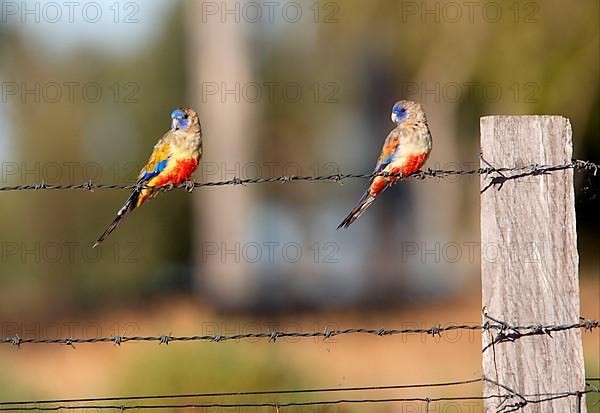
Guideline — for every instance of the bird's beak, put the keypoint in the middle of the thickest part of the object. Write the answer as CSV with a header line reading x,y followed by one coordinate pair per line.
x,y
174,124
394,117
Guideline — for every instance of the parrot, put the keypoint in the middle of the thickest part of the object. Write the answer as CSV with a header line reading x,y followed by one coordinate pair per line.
x,y
405,150
173,161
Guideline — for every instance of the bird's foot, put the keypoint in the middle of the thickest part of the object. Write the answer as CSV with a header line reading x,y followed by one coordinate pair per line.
x,y
189,185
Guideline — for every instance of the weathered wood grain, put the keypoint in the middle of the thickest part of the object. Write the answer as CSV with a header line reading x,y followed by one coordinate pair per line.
x,y
529,260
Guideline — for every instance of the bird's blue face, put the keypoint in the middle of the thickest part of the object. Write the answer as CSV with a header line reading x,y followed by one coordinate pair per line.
x,y
179,120
399,113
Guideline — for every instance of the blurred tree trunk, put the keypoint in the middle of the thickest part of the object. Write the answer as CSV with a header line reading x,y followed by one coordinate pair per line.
x,y
441,227
223,62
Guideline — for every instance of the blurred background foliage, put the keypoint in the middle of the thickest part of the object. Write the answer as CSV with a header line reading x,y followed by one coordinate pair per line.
x,y
371,65
545,60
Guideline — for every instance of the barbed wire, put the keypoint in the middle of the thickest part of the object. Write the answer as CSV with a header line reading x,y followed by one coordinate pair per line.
x,y
523,399
505,332
253,393
522,172
511,401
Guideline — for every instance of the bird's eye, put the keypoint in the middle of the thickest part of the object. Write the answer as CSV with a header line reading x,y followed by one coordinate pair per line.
x,y
403,110
186,116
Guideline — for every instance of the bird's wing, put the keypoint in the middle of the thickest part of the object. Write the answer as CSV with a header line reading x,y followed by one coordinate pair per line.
x,y
390,146
158,161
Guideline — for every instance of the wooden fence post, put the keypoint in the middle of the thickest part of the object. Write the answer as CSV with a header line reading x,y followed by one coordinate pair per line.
x,y
529,261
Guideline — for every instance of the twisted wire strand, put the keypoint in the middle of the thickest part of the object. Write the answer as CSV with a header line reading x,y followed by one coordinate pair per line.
x,y
523,171
524,400
506,332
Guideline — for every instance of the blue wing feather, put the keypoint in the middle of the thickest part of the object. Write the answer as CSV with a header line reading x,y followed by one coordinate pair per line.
x,y
160,166
381,165
390,148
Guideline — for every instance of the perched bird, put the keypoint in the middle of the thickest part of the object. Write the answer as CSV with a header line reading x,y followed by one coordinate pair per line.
x,y
405,150
173,161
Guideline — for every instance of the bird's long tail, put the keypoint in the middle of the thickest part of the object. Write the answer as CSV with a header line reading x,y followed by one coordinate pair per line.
x,y
129,205
360,207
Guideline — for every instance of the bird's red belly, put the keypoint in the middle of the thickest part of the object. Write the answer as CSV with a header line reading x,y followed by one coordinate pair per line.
x,y
182,171
413,164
